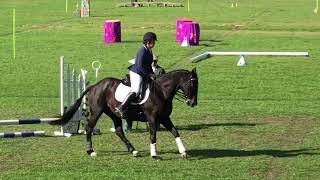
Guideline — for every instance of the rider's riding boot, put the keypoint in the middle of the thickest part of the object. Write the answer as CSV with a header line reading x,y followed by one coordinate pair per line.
x,y
121,109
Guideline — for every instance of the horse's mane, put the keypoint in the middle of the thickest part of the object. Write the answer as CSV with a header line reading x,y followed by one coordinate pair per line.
x,y
172,72
155,85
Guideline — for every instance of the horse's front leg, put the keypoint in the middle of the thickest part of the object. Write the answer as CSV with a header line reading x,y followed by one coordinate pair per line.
x,y
167,123
119,131
153,138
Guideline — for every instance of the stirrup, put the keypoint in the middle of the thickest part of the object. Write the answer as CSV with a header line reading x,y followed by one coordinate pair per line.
x,y
120,111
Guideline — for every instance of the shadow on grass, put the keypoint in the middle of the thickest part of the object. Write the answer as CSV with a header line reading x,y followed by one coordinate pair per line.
x,y
130,41
112,152
218,153
122,153
193,127
211,43
197,127
105,15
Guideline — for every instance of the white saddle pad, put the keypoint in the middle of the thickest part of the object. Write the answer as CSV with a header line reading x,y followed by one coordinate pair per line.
x,y
122,91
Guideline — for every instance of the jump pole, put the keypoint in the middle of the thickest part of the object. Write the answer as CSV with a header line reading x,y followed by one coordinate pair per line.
x,y
24,121
240,53
74,80
27,121
22,134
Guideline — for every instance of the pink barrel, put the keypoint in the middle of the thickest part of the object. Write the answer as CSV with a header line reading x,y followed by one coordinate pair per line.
x,y
192,32
112,31
179,29
196,30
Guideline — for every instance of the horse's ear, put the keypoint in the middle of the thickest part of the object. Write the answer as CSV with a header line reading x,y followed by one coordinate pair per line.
x,y
194,70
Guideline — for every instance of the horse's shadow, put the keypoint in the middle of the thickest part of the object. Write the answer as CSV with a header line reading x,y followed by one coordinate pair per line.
x,y
198,154
197,127
220,153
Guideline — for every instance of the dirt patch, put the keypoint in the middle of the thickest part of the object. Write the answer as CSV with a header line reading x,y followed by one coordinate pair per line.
x,y
291,136
294,132
7,163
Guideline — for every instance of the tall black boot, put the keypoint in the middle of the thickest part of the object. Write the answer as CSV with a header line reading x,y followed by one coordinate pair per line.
x,y
121,109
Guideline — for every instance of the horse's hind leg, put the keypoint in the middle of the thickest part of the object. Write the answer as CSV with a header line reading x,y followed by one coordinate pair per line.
x,y
119,131
167,123
95,115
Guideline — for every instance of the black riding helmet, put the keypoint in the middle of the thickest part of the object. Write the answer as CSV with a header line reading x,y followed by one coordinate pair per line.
x,y
149,36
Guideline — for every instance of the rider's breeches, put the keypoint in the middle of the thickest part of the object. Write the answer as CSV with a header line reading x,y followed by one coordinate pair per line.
x,y
136,81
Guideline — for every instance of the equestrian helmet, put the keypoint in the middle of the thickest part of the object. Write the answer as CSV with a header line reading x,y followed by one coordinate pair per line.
x,y
149,36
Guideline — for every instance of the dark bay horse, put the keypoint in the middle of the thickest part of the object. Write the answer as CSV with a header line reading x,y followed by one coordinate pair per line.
x,y
157,109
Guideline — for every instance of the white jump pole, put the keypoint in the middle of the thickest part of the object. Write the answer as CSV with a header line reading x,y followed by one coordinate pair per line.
x,y
259,53
240,53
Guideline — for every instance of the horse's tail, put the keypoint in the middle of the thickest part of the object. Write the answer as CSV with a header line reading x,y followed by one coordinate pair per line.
x,y
66,117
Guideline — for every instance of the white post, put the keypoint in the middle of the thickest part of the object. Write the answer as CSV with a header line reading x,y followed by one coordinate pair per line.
x,y
68,86
60,133
14,32
61,85
74,84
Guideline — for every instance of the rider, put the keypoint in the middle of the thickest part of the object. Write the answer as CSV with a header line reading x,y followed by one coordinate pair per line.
x,y
140,71
158,71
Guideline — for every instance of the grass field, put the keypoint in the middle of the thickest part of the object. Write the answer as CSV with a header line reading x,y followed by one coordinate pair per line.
x,y
255,122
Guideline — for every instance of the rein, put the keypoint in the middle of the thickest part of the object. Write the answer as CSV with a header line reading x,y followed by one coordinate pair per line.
x,y
181,95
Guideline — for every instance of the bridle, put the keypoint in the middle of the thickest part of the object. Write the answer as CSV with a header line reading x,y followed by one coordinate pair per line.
x,y
183,95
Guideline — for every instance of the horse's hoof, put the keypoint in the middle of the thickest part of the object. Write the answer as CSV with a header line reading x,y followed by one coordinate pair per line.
x,y
157,158
135,153
93,154
184,155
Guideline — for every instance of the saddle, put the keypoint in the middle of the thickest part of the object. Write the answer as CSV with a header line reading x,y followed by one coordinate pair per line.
x,y
126,81
124,88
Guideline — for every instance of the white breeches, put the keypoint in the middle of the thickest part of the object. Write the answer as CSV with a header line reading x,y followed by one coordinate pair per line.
x,y
136,81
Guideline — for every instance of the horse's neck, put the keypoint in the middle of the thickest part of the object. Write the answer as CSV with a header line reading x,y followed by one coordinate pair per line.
x,y
169,87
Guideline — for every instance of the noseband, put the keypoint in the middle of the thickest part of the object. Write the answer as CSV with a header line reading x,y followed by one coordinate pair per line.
x,y
186,96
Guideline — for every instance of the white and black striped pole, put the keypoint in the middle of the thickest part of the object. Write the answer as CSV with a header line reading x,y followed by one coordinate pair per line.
x,y
27,121
22,134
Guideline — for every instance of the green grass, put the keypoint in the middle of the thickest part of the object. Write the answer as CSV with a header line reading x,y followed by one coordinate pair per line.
x,y
255,122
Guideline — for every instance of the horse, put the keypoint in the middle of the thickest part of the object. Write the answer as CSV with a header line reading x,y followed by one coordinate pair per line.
x,y
156,109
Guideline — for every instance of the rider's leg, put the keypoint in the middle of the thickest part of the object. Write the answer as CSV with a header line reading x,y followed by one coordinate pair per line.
x,y
136,81
123,106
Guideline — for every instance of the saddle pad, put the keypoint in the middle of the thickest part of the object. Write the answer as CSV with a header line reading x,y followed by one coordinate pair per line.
x,y
122,91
